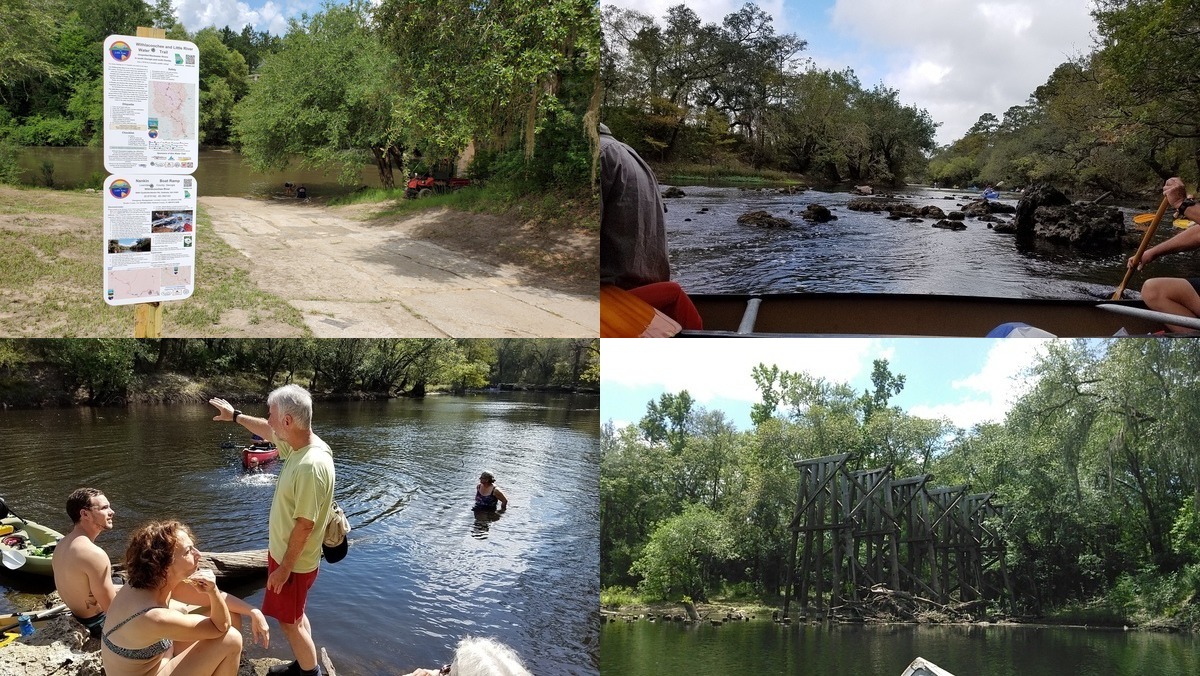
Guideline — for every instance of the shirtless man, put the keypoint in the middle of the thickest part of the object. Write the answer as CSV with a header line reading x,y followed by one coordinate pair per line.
x,y
82,571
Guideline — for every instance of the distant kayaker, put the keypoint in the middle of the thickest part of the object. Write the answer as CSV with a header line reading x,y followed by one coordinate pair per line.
x,y
82,571
480,657
1176,295
487,495
302,503
633,232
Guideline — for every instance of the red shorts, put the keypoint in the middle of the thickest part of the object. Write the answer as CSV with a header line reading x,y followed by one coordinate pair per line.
x,y
287,605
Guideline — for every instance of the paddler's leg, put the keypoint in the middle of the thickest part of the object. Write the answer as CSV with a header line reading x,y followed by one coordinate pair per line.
x,y
670,299
1174,295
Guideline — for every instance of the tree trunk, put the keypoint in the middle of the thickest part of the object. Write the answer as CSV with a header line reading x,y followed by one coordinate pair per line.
x,y
383,162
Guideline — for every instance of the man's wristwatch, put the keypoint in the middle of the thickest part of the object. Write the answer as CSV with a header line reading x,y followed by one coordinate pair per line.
x,y
236,413
1186,204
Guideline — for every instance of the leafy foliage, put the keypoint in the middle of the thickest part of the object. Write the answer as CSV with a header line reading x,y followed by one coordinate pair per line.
x,y
684,91
1095,463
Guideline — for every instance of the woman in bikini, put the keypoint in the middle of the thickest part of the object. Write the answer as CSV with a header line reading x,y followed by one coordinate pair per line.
x,y
144,636
487,495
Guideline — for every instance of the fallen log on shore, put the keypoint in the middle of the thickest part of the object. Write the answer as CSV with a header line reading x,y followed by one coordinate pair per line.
x,y
228,566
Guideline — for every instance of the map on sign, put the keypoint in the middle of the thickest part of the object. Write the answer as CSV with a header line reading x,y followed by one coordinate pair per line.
x,y
173,107
149,238
151,105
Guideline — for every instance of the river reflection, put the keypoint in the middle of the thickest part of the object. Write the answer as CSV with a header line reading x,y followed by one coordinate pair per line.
x,y
420,573
674,649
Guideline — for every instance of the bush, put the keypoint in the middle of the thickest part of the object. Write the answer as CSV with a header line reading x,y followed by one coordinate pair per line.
x,y
10,171
36,130
618,596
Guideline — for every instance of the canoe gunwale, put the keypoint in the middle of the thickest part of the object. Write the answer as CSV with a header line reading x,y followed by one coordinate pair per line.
x,y
898,315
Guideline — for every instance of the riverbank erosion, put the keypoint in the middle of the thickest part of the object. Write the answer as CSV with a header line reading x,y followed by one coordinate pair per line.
x,y
433,273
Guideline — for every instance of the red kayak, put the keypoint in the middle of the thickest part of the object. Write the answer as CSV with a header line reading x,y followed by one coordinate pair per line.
x,y
254,457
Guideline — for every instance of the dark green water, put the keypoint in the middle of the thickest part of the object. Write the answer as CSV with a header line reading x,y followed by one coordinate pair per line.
x,y
422,572
760,648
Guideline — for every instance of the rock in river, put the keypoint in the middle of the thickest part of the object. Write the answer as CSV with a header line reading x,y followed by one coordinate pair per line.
x,y
763,219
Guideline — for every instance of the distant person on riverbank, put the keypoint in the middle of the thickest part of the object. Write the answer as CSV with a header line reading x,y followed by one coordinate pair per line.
x,y
289,188
1176,295
633,232
82,571
479,657
302,192
487,495
302,503
144,635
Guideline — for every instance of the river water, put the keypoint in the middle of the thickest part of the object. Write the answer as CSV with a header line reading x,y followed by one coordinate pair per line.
x,y
865,252
220,172
421,573
760,647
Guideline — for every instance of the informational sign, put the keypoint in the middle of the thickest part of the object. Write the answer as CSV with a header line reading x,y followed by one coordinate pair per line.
x,y
149,238
151,105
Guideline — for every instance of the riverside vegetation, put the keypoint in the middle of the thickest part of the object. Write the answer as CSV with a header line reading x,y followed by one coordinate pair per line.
x,y
1095,462
737,98
406,87
115,371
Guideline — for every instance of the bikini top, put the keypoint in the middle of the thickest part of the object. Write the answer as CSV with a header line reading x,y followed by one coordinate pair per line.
x,y
153,650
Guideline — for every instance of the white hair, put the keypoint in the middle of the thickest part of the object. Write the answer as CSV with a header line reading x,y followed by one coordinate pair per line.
x,y
486,657
295,401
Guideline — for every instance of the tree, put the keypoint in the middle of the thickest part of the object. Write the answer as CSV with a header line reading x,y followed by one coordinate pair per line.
x,y
681,555
326,97
497,73
1148,59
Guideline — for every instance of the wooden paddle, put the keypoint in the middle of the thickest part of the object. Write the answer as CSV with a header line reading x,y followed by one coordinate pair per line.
x,y
1137,257
624,315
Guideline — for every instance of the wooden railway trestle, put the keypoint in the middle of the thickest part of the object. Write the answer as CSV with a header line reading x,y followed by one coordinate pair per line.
x,y
866,527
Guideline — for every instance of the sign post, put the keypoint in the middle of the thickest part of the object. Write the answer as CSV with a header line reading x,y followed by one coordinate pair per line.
x,y
151,148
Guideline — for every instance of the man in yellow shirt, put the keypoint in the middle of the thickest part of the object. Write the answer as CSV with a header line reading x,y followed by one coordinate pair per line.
x,y
301,505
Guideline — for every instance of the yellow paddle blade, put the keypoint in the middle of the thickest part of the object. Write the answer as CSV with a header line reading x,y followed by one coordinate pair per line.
x,y
1143,220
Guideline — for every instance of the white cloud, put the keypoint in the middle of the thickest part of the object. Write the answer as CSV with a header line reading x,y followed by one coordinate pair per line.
x,y
990,393
711,368
197,14
987,56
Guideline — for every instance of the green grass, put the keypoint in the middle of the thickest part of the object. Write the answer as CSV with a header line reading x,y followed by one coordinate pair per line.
x,y
618,597
52,272
554,207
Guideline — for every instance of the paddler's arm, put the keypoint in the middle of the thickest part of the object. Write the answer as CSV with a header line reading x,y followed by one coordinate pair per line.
x,y
301,530
1185,241
257,426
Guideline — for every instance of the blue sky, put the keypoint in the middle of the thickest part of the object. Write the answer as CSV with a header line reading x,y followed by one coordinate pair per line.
x,y
957,59
268,15
967,380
